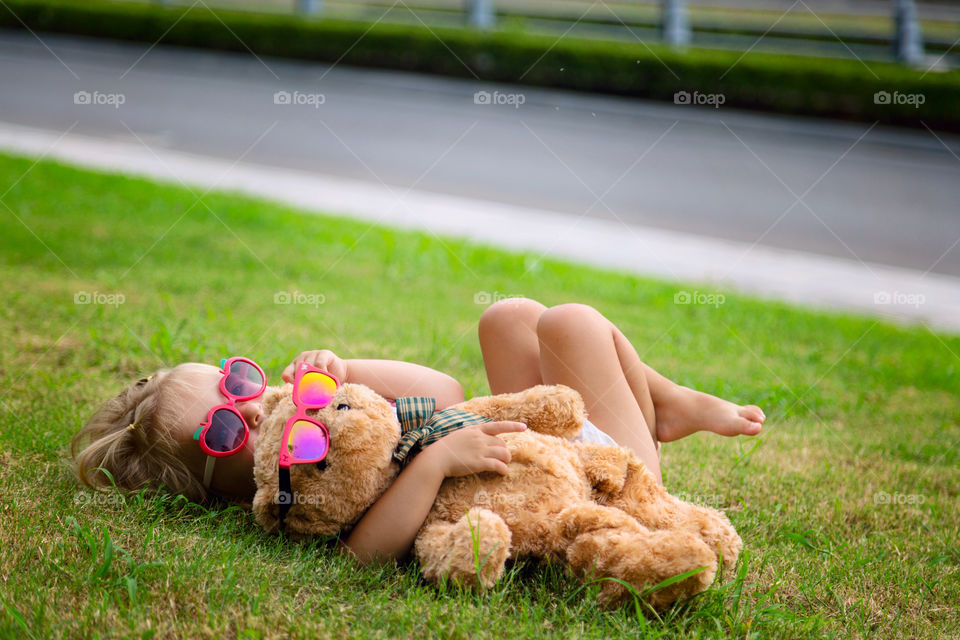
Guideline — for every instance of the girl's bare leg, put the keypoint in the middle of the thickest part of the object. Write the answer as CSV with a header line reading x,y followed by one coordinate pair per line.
x,y
513,347
681,411
577,349
508,341
511,354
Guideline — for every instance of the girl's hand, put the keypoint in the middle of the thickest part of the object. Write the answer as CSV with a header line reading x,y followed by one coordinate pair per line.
x,y
473,449
324,359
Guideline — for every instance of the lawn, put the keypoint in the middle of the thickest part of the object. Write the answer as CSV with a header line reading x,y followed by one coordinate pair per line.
x,y
847,503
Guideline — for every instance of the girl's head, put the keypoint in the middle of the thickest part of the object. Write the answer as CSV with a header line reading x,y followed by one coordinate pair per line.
x,y
144,437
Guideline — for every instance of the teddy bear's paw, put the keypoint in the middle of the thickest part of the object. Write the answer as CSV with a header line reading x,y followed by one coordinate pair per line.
x,y
715,530
470,552
553,410
643,560
709,524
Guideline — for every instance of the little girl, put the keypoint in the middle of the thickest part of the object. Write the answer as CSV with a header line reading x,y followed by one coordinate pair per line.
x,y
144,436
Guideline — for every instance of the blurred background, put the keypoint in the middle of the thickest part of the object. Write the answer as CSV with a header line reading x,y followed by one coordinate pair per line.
x,y
709,137
709,175
866,29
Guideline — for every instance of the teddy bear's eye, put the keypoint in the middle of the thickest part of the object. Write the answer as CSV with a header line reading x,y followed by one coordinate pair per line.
x,y
343,407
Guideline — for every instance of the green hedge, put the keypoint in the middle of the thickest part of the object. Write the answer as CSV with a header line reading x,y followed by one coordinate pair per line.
x,y
785,84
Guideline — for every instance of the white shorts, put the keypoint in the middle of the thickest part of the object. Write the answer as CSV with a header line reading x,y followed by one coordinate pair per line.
x,y
590,433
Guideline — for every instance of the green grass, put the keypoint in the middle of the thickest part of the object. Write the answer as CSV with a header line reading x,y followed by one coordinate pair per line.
x,y
855,408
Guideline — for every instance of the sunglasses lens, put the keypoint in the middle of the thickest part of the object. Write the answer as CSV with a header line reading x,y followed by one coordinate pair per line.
x,y
307,441
243,379
226,431
316,389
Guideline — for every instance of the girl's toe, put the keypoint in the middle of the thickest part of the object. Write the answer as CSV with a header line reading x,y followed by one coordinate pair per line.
x,y
752,412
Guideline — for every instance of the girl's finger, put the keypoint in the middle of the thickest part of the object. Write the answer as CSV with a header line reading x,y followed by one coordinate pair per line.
x,y
496,428
288,373
496,466
499,453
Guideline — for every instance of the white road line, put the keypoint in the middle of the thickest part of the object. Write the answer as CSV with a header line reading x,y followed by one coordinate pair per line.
x,y
897,294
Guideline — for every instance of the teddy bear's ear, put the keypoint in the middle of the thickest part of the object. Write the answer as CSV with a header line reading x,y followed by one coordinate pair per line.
x,y
273,396
301,523
266,511
293,526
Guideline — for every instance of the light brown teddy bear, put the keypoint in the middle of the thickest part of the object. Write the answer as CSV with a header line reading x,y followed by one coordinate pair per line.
x,y
593,506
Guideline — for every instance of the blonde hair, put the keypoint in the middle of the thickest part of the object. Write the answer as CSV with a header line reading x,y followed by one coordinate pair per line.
x,y
129,438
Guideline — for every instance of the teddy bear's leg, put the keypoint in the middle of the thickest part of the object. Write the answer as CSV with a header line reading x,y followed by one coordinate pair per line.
x,y
552,409
715,529
469,551
653,507
607,543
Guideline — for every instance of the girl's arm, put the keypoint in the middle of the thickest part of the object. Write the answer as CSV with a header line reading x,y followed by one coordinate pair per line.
x,y
389,527
394,379
390,378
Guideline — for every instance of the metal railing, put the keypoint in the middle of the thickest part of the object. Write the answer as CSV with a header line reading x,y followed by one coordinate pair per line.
x,y
901,38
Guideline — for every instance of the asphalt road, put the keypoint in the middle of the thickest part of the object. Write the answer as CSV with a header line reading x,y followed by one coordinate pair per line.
x,y
845,189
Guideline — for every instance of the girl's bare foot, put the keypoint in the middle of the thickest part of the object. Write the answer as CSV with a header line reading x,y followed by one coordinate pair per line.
x,y
684,411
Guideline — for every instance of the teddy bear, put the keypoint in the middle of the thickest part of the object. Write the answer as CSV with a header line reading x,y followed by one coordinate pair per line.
x,y
595,507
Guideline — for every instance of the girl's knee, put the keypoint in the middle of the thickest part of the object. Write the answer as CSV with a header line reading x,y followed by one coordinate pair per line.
x,y
509,315
559,320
